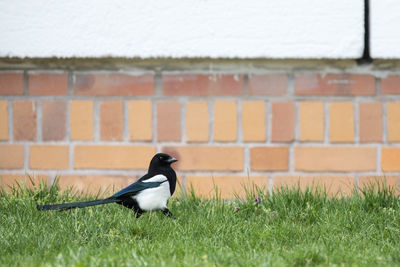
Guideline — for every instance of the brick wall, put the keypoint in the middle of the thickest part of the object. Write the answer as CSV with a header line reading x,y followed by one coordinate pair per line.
x,y
98,129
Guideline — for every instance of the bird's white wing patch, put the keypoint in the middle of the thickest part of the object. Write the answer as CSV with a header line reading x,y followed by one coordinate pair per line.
x,y
157,178
154,198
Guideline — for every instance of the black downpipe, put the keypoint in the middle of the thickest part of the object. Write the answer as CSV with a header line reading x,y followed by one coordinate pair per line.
x,y
366,57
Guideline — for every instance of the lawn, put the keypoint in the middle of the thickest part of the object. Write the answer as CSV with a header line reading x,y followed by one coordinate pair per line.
x,y
286,228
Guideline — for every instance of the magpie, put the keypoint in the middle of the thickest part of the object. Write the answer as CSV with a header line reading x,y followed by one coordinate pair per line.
x,y
150,192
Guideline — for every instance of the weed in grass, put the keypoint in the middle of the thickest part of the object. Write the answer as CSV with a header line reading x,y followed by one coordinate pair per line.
x,y
287,227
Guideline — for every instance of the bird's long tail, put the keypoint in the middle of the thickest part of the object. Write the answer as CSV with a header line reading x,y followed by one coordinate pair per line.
x,y
74,205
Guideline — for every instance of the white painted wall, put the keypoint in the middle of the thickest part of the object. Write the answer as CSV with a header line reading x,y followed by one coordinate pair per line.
x,y
385,28
176,28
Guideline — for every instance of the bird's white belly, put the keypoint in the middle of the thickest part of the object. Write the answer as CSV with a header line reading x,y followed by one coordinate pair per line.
x,y
154,198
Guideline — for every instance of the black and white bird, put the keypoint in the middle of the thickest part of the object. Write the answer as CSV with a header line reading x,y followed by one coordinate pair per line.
x,y
151,192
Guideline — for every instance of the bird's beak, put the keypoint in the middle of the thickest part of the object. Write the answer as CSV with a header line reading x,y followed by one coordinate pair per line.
x,y
172,160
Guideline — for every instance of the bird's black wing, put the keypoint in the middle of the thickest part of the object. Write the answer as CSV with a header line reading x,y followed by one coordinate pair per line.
x,y
135,188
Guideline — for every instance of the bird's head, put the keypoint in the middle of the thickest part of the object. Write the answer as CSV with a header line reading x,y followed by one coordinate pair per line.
x,y
161,160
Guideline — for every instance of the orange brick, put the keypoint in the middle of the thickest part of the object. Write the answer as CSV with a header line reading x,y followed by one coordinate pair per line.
x,y
390,159
341,122
311,121
253,121
197,121
11,156
54,120
111,120
81,120
113,157
140,120
393,110
225,121
49,157
228,187
343,84
333,186
11,83
48,83
335,159
282,122
3,120
24,120
268,84
375,182
9,180
370,122
391,85
95,184
269,158
113,84
202,84
168,121
212,158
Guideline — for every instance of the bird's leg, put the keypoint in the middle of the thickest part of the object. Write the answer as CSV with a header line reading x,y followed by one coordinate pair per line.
x,y
138,213
168,213
133,205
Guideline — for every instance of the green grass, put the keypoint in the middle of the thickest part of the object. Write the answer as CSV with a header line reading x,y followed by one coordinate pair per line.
x,y
286,228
